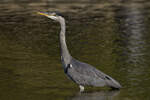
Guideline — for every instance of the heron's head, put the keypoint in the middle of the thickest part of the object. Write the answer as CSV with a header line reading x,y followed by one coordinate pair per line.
x,y
53,15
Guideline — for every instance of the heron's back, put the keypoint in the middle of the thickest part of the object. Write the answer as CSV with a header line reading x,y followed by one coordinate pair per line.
x,y
85,74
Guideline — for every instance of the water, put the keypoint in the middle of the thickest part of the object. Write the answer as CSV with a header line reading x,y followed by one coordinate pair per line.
x,y
113,36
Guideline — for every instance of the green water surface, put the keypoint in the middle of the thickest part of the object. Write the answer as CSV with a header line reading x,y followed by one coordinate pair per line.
x,y
112,35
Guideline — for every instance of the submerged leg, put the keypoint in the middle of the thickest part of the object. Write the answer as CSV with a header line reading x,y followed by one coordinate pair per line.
x,y
81,88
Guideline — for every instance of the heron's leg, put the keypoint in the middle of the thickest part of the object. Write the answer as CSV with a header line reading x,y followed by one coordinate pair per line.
x,y
81,88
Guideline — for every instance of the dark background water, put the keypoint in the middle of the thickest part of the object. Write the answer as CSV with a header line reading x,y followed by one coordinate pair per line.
x,y
111,35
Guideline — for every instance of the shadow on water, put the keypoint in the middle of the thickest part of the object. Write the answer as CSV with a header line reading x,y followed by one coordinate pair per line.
x,y
113,36
102,95
131,17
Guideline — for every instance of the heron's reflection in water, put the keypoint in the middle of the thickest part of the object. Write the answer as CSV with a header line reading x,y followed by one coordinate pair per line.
x,y
102,95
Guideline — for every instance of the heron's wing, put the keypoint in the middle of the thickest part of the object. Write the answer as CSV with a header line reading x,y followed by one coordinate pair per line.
x,y
85,74
87,69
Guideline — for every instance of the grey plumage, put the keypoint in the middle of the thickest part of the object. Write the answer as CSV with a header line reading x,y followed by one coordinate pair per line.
x,y
85,74
79,72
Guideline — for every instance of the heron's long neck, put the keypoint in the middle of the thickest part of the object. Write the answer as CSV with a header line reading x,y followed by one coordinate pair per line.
x,y
64,50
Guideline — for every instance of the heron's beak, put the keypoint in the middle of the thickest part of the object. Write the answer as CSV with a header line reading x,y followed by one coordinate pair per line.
x,y
42,13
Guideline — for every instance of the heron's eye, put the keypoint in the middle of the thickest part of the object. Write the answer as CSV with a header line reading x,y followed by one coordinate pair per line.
x,y
56,15
53,14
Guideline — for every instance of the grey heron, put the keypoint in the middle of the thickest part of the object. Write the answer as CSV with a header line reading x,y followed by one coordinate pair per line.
x,y
79,72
